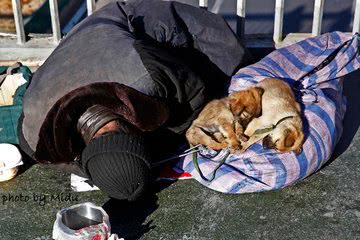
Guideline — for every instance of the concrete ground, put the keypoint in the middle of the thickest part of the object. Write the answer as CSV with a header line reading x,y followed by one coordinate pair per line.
x,y
326,205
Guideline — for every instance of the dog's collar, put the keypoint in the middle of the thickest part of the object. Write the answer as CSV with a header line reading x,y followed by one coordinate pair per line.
x,y
283,119
272,127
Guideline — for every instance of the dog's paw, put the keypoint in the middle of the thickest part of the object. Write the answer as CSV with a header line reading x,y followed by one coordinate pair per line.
x,y
234,150
242,138
244,146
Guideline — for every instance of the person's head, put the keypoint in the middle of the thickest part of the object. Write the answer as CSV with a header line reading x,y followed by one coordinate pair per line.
x,y
115,158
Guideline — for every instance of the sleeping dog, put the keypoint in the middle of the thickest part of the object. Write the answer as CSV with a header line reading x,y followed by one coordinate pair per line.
x,y
220,125
222,121
280,125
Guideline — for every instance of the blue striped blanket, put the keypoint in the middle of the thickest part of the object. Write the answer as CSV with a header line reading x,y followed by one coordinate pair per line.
x,y
323,105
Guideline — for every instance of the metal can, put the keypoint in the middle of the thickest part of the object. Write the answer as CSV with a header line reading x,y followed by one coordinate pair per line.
x,y
82,221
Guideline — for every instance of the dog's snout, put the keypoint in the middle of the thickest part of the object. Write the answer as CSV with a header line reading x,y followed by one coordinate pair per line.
x,y
268,143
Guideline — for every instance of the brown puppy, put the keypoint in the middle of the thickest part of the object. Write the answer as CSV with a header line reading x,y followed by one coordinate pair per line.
x,y
221,123
280,115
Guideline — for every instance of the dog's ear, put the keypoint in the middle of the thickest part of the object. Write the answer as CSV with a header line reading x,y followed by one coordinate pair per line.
x,y
260,90
236,106
290,139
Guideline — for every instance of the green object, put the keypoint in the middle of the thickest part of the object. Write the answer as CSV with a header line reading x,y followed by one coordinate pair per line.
x,y
196,165
9,115
269,129
264,130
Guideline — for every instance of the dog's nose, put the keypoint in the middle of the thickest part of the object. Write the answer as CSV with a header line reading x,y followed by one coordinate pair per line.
x,y
268,143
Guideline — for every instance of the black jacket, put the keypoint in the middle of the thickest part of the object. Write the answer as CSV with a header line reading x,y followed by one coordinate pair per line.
x,y
178,55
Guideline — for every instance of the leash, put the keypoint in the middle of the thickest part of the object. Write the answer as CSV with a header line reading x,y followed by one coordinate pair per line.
x,y
322,65
308,91
191,150
325,62
272,127
213,174
194,151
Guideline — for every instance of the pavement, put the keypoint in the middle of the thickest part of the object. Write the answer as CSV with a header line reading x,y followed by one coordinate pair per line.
x,y
325,205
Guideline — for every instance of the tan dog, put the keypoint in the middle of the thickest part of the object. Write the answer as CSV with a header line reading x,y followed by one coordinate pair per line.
x,y
280,116
221,123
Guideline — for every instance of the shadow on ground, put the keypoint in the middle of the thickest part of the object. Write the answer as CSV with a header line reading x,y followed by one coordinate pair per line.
x,y
127,219
28,162
351,121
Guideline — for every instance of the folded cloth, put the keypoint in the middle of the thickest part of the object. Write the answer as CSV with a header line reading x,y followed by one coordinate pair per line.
x,y
314,68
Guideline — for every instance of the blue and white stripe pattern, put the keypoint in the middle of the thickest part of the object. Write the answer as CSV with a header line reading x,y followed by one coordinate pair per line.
x,y
260,170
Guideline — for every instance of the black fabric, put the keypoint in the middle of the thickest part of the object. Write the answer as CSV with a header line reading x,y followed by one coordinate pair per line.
x,y
98,50
181,25
176,55
101,49
182,87
22,142
186,79
119,165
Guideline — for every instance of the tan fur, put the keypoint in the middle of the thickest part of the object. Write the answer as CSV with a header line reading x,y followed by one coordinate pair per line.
x,y
278,102
221,123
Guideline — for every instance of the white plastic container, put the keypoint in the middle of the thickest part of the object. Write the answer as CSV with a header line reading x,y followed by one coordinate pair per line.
x,y
10,159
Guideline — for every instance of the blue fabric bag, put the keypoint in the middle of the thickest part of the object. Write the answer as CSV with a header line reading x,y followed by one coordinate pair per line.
x,y
314,67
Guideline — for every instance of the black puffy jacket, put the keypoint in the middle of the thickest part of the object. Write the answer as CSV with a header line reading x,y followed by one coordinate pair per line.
x,y
155,62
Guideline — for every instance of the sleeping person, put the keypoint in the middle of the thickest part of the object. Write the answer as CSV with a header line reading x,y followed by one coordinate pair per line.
x,y
122,73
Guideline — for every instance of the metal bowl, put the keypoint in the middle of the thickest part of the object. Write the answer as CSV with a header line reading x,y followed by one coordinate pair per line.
x,y
81,216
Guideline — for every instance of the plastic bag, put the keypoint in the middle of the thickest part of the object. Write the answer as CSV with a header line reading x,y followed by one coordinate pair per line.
x,y
9,115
